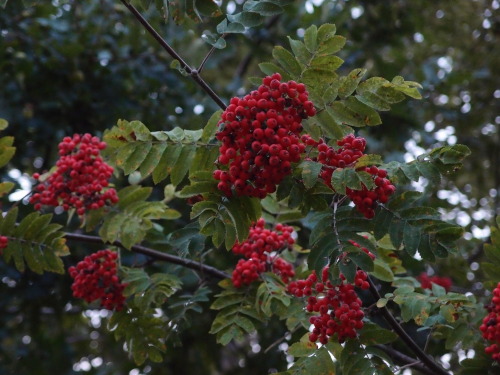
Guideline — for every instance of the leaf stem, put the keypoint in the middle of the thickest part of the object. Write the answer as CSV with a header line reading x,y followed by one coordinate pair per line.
x,y
197,266
426,360
194,73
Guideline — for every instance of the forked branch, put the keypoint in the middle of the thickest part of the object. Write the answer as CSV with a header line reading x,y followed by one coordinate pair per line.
x,y
193,73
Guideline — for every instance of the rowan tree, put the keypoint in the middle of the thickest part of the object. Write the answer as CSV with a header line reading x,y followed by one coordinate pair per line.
x,y
275,219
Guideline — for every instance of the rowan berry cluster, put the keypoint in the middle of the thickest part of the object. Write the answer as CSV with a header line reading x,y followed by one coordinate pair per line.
x,y
95,278
261,251
350,149
261,240
426,281
491,325
4,242
80,180
339,306
260,137
247,271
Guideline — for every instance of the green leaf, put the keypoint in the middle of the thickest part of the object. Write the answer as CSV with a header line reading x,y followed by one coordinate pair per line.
x,y
6,187
372,334
264,8
328,124
287,61
299,50
411,238
362,260
349,83
219,234
233,27
368,160
310,172
180,169
6,153
211,128
348,268
207,8
247,19
208,37
310,38
330,45
152,159
198,188
326,63
142,332
382,271
3,123
320,253
270,68
302,349
396,228
136,157
325,32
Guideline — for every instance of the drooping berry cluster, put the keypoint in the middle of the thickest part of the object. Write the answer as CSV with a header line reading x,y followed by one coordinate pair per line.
x,y
491,325
426,281
259,135
4,242
80,180
351,149
261,251
95,278
339,306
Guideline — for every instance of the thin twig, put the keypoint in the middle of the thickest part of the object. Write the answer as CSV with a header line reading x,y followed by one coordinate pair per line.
x,y
197,266
427,361
401,357
192,72
278,341
212,50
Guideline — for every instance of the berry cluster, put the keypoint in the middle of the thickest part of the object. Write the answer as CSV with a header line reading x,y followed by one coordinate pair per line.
x,y
426,281
260,137
247,271
339,306
95,278
81,177
261,240
261,252
4,242
350,149
491,325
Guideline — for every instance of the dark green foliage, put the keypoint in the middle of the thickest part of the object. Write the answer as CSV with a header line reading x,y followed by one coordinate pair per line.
x,y
94,65
35,242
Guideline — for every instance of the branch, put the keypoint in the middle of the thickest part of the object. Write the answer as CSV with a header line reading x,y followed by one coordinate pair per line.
x,y
427,361
197,266
401,357
192,72
212,50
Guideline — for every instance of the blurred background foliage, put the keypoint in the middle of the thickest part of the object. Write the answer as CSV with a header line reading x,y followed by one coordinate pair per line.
x,y
77,66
